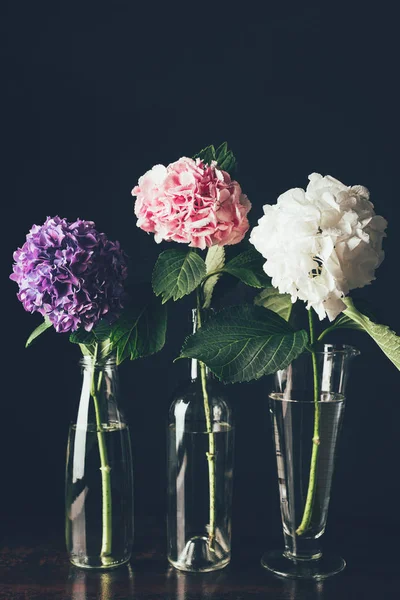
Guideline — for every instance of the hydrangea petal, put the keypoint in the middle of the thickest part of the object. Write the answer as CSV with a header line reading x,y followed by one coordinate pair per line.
x,y
321,242
193,203
70,273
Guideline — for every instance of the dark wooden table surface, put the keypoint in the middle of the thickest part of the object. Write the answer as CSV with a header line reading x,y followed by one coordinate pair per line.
x,y
34,565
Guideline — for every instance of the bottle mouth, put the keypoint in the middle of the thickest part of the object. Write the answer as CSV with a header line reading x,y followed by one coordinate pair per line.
x,y
304,398
344,349
89,361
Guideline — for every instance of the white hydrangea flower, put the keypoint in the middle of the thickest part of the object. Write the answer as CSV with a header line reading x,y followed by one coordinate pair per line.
x,y
321,242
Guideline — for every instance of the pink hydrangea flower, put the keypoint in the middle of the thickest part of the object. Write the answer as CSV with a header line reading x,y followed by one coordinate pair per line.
x,y
192,203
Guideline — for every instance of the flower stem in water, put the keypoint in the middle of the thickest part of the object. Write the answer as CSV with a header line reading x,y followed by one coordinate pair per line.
x,y
306,520
105,469
211,442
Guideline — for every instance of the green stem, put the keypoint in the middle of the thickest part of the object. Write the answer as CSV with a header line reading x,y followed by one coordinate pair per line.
x,y
211,440
306,520
325,332
211,274
105,470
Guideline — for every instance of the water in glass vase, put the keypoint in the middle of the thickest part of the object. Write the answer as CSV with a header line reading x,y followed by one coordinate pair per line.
x,y
86,525
293,433
293,460
199,531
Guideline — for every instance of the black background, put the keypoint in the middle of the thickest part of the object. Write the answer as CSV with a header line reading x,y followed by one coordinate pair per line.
x,y
96,93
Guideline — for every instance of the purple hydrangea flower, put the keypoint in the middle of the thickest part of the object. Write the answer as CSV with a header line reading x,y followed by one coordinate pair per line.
x,y
70,273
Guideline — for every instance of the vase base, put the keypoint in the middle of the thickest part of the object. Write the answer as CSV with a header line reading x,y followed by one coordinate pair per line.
x,y
97,565
198,557
279,564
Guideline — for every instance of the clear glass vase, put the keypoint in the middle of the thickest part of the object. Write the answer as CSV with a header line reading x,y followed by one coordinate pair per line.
x,y
99,487
200,471
307,409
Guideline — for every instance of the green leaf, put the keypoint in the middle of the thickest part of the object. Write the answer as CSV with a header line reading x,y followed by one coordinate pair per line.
x,y
177,273
215,261
245,342
271,298
224,157
96,342
86,350
86,340
102,331
386,339
38,331
207,154
140,332
248,267
345,322
222,150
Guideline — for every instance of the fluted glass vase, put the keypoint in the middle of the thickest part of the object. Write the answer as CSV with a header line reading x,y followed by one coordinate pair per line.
x,y
306,408
98,488
200,470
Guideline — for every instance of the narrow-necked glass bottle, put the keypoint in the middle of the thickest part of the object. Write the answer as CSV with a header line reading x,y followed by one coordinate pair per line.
x,y
98,491
200,471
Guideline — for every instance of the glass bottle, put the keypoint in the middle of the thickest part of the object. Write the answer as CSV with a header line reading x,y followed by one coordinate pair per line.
x,y
99,482
306,430
200,471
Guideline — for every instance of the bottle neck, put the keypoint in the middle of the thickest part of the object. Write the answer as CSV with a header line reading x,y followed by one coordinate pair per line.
x,y
195,370
194,366
99,395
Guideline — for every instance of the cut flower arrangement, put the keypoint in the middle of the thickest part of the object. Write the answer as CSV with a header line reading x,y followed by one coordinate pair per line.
x,y
318,244
75,277
313,246
197,203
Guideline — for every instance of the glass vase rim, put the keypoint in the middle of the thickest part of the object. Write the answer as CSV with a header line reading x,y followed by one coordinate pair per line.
x,y
345,349
89,361
335,398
